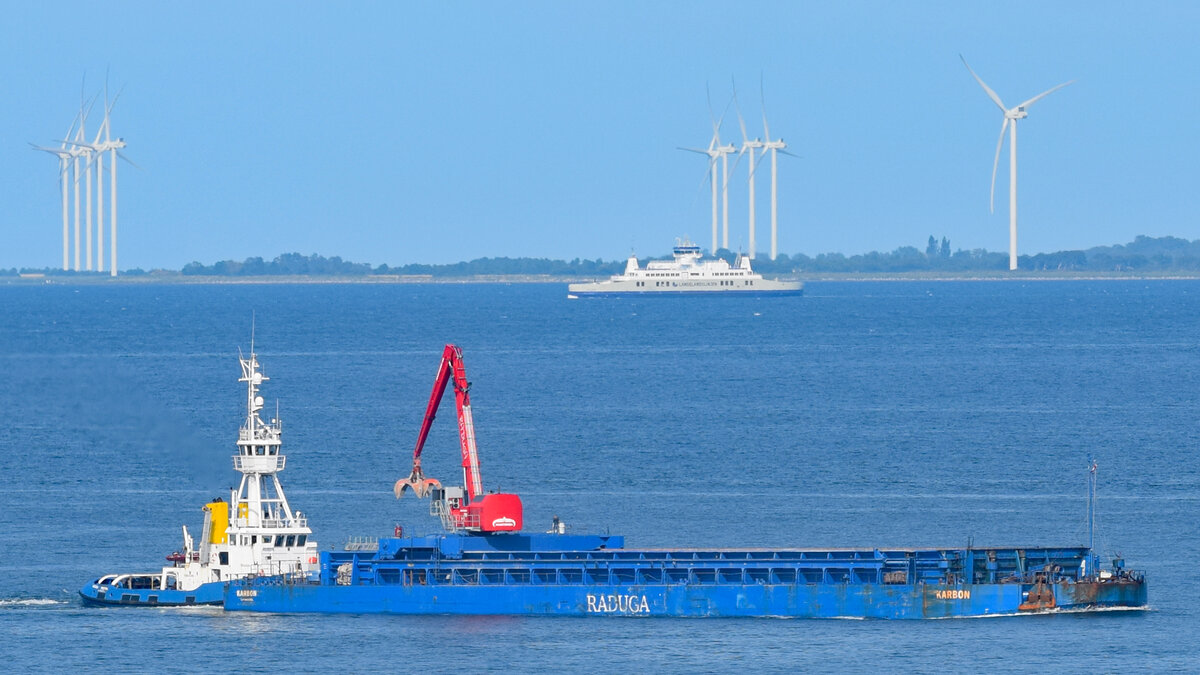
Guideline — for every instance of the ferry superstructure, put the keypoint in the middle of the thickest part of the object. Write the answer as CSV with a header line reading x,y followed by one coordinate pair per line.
x,y
484,564
687,272
255,532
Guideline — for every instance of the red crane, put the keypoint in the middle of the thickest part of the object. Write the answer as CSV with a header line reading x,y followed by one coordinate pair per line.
x,y
466,508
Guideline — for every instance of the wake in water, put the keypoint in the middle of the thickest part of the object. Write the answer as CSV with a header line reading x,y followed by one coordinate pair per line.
x,y
29,602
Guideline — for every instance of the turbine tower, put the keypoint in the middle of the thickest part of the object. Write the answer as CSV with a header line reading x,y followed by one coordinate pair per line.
x,y
725,150
82,150
774,146
714,151
1011,115
75,153
113,147
713,154
78,150
65,156
98,147
748,147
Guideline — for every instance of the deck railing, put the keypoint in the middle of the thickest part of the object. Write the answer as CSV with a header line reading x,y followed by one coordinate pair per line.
x,y
261,463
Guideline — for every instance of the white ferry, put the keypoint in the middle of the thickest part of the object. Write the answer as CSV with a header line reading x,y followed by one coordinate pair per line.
x,y
256,532
687,273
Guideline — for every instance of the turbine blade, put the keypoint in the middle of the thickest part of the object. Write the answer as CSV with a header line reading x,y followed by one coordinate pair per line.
x,y
991,94
708,97
737,106
702,152
789,154
761,163
719,122
131,162
91,104
1033,100
996,163
71,129
763,102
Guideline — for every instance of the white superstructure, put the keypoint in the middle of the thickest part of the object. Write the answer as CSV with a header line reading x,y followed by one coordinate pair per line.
x,y
256,531
687,273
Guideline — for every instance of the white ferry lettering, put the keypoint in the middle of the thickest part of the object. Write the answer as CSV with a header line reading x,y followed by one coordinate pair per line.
x,y
617,604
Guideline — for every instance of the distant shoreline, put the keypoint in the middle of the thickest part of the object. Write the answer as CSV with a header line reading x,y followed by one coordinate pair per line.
x,y
152,279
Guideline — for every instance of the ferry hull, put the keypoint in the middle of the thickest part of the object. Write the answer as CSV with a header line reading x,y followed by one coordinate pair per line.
x,y
622,288
207,594
753,294
867,601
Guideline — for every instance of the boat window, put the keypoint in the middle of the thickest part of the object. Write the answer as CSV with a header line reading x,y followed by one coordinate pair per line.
x,y
279,540
291,540
254,539
301,539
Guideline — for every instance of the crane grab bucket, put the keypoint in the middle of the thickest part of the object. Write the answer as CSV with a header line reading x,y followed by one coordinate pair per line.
x,y
418,483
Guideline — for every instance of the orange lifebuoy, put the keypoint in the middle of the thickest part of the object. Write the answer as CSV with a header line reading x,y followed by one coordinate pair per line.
x,y
312,560
399,530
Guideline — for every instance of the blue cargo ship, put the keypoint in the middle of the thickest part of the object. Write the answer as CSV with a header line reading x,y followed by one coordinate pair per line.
x,y
484,564
589,575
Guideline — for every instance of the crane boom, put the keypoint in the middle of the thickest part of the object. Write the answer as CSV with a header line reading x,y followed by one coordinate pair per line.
x,y
487,513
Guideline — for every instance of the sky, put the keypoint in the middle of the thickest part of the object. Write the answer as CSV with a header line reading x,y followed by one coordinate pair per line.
x,y
397,132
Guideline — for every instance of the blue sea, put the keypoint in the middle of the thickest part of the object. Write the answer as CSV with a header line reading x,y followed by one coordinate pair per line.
x,y
863,414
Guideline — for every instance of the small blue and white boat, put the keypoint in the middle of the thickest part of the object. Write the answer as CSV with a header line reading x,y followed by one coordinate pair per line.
x,y
256,532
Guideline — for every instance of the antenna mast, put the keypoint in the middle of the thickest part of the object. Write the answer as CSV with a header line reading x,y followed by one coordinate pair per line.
x,y
1091,511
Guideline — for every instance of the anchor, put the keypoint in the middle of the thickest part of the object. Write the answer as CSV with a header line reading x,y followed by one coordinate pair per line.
x,y
1040,597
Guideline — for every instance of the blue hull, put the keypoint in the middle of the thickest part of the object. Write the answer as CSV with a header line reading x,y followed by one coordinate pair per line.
x,y
206,594
582,575
799,601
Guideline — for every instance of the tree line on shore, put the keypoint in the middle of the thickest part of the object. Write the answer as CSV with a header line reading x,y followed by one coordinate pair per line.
x,y
1143,254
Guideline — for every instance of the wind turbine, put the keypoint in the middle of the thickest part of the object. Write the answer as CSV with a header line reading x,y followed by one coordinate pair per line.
x,y
725,150
774,146
64,164
98,147
85,151
113,147
1011,115
80,149
714,151
114,150
751,146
